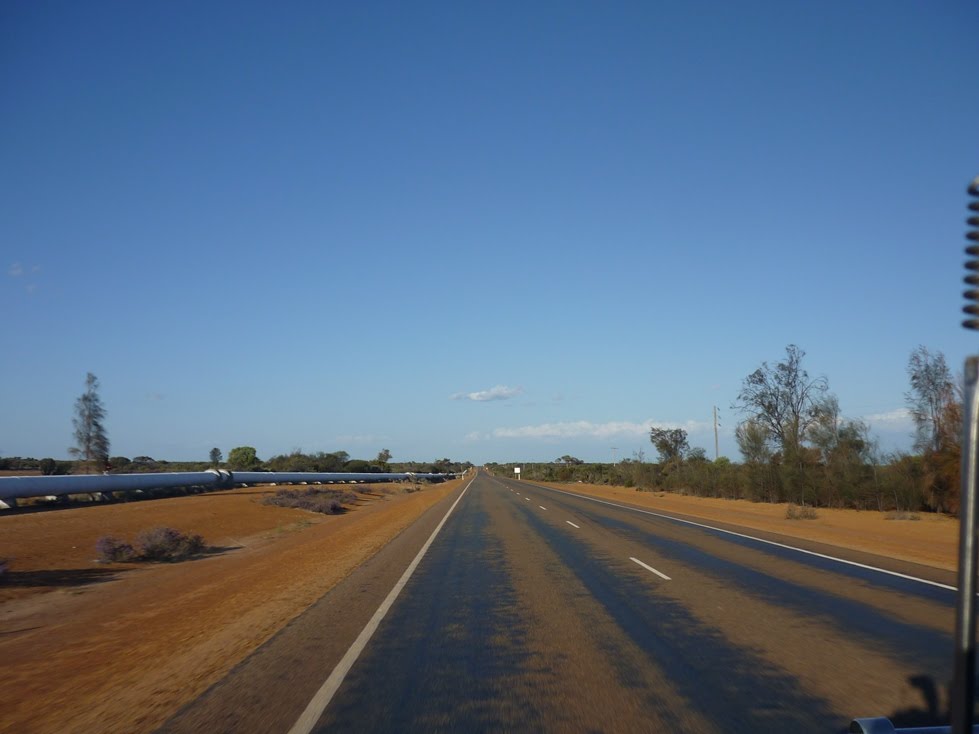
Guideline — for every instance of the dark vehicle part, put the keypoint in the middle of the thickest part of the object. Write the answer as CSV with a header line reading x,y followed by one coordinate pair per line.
x,y
882,725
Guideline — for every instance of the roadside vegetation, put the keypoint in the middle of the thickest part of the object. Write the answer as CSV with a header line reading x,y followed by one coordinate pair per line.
x,y
328,500
155,545
91,452
241,458
797,447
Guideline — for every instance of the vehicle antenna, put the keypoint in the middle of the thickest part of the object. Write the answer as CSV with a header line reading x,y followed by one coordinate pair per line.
x,y
963,685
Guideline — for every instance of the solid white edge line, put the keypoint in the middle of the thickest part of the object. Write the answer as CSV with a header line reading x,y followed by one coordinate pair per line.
x,y
759,540
325,694
650,568
573,525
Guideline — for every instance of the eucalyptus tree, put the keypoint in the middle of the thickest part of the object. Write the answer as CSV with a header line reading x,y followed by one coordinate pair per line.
x,y
784,399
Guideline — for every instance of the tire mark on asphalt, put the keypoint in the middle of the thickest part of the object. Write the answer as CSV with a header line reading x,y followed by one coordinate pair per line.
x,y
916,645
442,658
732,687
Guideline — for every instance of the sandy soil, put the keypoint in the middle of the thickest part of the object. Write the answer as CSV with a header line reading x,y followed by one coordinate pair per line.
x,y
123,646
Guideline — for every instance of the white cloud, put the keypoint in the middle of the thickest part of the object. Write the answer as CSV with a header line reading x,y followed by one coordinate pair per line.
x,y
587,429
500,392
16,270
897,418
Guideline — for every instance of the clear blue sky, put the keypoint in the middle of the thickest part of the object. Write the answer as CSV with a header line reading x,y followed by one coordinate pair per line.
x,y
335,225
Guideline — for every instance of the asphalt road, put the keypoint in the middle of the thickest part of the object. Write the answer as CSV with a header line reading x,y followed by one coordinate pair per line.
x,y
534,609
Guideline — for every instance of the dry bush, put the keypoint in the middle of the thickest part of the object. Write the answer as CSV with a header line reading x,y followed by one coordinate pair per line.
x,y
795,512
329,501
113,550
164,545
167,544
902,515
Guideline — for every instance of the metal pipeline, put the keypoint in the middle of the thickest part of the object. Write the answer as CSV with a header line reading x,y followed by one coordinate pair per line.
x,y
14,488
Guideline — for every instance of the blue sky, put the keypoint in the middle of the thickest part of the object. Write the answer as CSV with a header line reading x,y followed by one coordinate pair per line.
x,y
487,231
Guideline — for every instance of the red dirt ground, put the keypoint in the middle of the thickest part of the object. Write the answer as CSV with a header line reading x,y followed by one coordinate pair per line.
x,y
123,655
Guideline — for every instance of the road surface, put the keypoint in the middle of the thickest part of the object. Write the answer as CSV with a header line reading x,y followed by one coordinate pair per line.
x,y
535,609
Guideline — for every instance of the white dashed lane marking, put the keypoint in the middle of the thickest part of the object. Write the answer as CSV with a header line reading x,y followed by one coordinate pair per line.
x,y
650,568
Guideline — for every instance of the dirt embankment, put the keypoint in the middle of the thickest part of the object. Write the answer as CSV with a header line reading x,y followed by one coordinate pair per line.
x,y
82,655
932,540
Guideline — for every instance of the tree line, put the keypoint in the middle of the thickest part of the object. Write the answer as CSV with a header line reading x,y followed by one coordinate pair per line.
x,y
242,458
796,446
245,458
91,452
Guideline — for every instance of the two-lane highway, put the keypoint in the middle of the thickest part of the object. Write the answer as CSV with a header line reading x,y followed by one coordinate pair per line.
x,y
535,609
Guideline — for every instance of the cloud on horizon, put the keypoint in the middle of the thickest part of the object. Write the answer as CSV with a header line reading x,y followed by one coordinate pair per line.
x,y
892,419
582,429
500,392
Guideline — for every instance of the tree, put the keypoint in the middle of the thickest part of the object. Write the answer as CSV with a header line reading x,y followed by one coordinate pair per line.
x,y
91,441
932,392
671,443
329,462
783,399
119,462
243,457
216,457
697,455
568,460
383,457
936,408
755,443
844,447
358,466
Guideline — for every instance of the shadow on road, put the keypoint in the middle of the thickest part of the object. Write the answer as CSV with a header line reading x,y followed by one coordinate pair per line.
x,y
930,713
